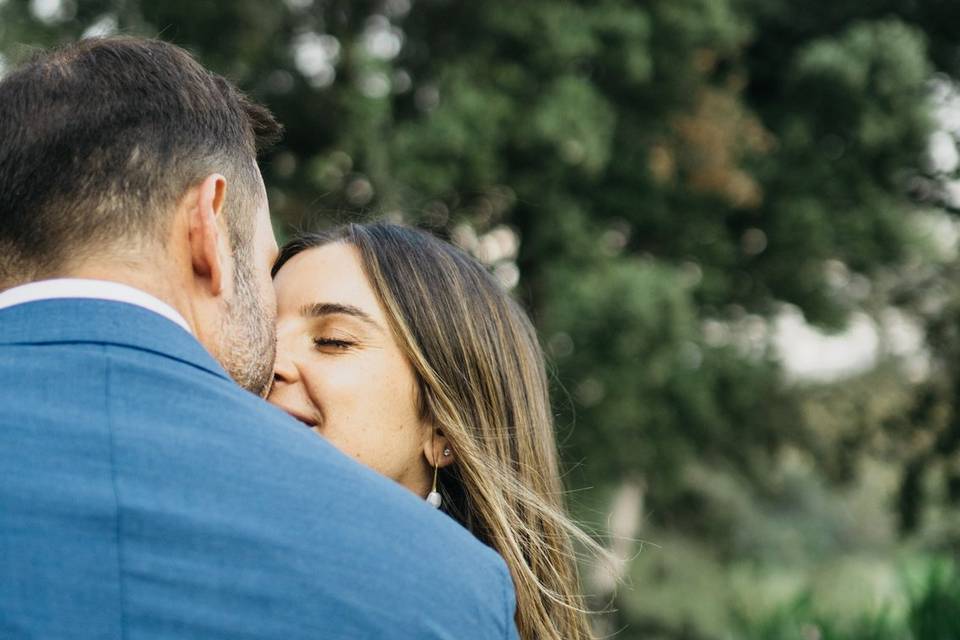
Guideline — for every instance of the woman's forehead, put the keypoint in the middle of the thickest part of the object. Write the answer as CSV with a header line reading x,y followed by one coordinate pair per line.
x,y
332,274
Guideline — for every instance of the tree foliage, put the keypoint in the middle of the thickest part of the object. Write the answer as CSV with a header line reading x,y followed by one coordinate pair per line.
x,y
656,181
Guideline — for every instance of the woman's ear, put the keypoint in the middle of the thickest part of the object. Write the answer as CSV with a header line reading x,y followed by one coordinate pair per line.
x,y
437,449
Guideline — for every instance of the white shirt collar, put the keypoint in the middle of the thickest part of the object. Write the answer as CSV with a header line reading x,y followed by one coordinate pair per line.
x,y
89,289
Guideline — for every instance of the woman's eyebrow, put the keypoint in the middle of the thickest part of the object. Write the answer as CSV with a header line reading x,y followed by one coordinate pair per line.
x,y
321,309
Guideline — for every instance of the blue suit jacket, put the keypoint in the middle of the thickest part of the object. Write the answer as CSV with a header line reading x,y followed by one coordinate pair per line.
x,y
144,495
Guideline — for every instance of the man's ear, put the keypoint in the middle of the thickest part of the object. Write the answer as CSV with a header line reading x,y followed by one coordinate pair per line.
x,y
437,449
208,249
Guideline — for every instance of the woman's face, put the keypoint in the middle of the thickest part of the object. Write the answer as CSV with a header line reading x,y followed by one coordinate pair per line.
x,y
339,369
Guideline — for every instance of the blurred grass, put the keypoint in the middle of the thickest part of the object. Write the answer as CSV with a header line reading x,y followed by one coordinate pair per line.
x,y
686,587
930,610
808,563
907,597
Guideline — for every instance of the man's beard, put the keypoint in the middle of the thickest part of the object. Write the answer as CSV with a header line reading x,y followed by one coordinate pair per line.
x,y
249,336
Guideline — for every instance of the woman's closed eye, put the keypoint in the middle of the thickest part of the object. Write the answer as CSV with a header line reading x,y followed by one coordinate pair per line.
x,y
332,343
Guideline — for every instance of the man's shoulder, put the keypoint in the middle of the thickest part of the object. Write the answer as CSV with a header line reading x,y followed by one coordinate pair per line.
x,y
191,481
273,443
378,542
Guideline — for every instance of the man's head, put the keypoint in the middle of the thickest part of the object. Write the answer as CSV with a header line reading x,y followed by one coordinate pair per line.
x,y
124,156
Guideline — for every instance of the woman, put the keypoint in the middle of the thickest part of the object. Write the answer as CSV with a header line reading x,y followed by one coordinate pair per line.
x,y
406,354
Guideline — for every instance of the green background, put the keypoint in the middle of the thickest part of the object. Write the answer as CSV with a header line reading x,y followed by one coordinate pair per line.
x,y
663,183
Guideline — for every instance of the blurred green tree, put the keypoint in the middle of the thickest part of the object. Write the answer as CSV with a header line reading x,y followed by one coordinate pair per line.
x,y
656,180
663,165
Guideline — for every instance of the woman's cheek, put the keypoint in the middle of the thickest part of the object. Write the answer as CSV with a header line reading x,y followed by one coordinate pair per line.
x,y
347,387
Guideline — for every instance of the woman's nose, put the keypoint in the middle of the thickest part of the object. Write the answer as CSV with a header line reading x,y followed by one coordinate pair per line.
x,y
284,369
281,376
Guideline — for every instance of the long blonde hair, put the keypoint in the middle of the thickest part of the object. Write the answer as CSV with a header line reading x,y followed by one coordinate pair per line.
x,y
482,381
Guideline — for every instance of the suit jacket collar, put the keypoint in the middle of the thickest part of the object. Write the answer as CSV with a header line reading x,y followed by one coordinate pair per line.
x,y
85,288
73,320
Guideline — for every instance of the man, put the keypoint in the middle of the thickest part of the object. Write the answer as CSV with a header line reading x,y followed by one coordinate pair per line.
x,y
143,494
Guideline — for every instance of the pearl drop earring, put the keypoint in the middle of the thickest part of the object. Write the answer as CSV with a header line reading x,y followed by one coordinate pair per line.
x,y
433,498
